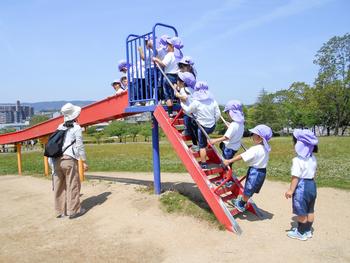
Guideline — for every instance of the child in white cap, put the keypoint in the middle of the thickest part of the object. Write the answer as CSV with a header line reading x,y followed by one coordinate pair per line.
x,y
231,141
257,158
117,86
303,187
206,111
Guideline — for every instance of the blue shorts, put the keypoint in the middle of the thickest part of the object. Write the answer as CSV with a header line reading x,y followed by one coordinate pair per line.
x,y
304,197
227,153
202,140
254,181
167,89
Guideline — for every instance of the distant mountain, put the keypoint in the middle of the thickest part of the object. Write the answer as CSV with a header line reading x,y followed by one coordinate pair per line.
x,y
55,105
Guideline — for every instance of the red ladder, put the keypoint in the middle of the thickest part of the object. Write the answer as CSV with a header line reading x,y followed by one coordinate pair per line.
x,y
211,182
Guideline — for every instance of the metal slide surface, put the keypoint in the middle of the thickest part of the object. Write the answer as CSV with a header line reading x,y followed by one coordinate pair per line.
x,y
108,109
211,182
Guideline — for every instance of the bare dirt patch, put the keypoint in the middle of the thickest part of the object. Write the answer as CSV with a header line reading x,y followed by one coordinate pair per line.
x,y
124,225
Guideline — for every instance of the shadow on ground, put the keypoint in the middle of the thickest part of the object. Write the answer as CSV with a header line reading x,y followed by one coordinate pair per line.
x,y
95,200
189,190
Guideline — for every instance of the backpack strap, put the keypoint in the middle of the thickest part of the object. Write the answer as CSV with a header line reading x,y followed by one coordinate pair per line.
x,y
68,146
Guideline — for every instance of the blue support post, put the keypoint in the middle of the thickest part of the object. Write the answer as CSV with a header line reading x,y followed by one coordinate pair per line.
x,y
156,158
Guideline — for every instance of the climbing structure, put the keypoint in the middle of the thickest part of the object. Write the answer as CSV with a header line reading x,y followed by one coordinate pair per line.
x,y
218,184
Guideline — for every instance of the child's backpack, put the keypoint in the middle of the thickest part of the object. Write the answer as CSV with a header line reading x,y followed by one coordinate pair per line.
x,y
53,148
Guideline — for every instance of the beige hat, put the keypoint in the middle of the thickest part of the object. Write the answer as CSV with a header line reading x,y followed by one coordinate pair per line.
x,y
70,112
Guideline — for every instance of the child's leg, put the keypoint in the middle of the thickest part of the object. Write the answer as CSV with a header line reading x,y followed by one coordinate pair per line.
x,y
202,139
310,221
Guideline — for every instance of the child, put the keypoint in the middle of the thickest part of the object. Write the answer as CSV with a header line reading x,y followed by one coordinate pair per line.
x,y
186,65
303,187
124,82
117,87
257,157
206,111
231,141
185,84
169,64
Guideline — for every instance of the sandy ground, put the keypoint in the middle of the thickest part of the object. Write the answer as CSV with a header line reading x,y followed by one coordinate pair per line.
x,y
124,225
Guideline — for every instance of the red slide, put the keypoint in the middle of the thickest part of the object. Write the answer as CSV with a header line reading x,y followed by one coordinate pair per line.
x,y
211,182
108,109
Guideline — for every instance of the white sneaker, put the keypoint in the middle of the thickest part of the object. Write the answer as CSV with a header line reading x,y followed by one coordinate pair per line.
x,y
296,235
307,233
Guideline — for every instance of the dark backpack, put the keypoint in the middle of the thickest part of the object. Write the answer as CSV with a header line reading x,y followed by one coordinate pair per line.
x,y
53,148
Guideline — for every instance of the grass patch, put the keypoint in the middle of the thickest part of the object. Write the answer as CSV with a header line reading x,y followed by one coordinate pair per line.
x,y
174,202
333,160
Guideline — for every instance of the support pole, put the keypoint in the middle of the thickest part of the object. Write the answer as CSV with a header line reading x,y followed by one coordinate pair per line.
x,y
81,170
46,166
156,158
19,158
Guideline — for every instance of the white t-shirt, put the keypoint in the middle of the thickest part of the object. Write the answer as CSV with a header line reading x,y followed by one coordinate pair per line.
x,y
304,168
256,156
161,52
206,114
186,91
234,133
170,63
77,150
139,72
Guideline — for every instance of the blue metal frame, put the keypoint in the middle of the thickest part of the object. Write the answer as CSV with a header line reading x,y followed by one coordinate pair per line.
x,y
142,91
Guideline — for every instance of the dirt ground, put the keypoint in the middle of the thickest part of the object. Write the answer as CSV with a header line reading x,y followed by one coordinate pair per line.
x,y
125,225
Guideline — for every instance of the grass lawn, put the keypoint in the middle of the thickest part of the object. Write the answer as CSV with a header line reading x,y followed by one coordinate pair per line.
x,y
333,160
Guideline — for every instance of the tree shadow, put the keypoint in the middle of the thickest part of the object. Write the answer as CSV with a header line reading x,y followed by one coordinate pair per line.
x,y
92,201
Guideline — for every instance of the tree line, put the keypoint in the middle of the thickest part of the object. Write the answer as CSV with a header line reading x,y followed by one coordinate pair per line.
x,y
323,105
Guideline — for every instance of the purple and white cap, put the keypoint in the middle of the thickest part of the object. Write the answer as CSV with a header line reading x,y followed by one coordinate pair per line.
x,y
265,133
123,65
235,109
188,78
306,141
163,41
201,92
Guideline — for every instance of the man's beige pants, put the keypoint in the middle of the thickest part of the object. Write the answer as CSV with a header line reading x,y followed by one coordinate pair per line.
x,y
66,186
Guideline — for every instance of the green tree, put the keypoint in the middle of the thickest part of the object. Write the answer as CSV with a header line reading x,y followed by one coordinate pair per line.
x,y
266,112
7,130
36,119
133,130
117,128
146,130
333,82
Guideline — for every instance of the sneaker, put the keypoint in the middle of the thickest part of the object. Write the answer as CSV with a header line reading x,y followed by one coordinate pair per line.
x,y
204,166
307,233
228,184
237,204
80,213
296,235
195,148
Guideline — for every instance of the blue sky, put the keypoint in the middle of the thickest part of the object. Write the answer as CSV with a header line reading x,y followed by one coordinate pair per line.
x,y
68,50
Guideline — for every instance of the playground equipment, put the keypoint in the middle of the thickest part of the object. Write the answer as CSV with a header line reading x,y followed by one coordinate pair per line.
x,y
142,96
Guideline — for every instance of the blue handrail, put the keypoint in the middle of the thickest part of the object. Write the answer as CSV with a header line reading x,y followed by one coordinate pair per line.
x,y
142,77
